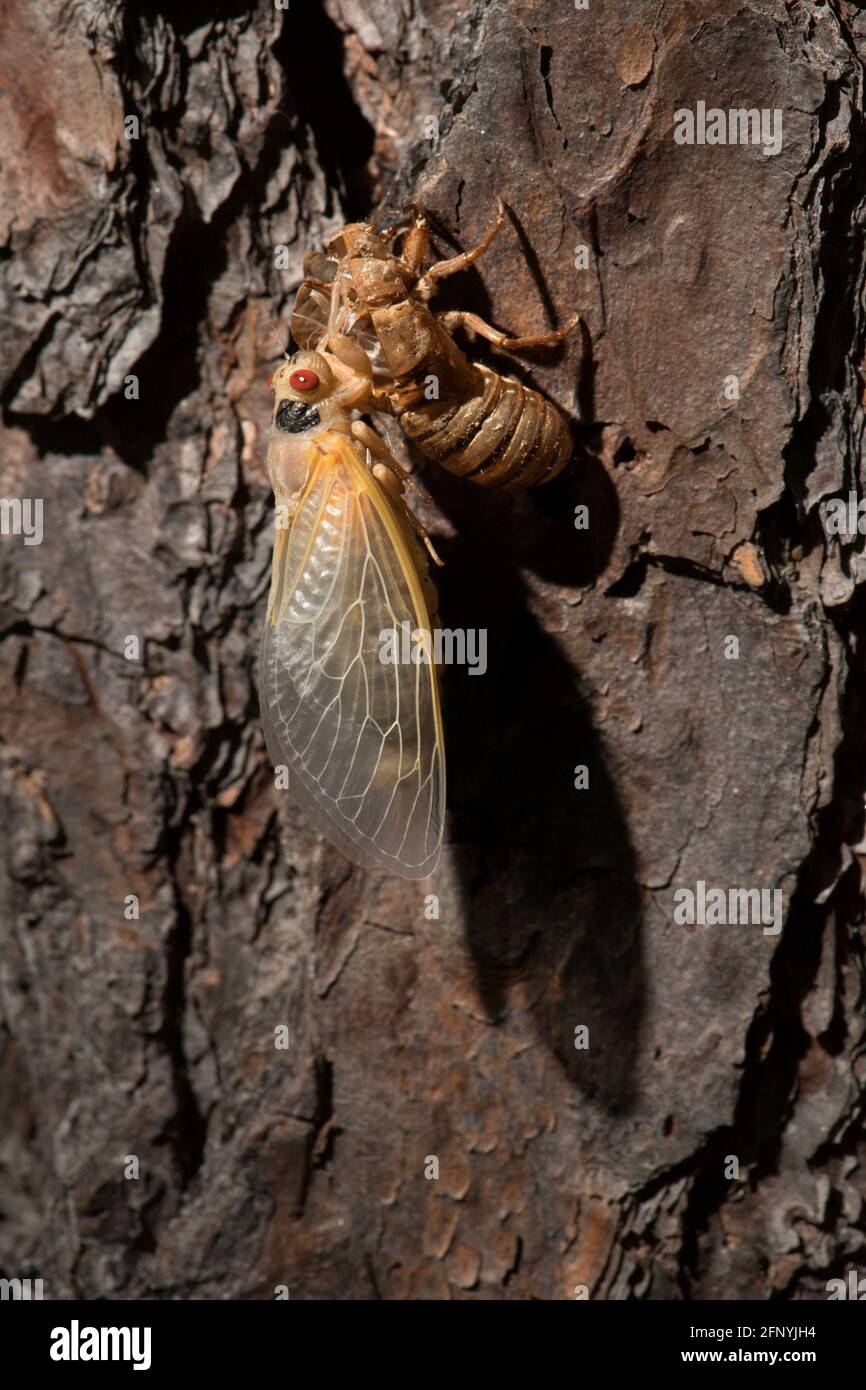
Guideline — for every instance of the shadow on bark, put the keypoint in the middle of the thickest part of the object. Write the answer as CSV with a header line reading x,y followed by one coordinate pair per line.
x,y
548,883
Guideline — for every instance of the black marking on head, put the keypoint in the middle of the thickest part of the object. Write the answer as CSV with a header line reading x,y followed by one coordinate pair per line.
x,y
296,416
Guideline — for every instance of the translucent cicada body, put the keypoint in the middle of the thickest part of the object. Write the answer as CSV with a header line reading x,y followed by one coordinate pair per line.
x,y
361,737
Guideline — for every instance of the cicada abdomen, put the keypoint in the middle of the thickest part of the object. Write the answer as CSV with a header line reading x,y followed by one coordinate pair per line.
x,y
499,433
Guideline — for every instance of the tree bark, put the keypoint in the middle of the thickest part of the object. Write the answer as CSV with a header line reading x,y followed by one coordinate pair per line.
x,y
698,649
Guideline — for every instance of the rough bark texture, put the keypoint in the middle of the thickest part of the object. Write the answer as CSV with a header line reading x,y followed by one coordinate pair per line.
x,y
154,257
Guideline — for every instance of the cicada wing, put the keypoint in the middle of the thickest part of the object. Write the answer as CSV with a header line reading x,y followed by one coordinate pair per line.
x,y
361,737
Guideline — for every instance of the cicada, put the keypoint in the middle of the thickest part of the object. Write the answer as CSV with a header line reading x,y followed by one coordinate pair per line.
x,y
361,738
476,422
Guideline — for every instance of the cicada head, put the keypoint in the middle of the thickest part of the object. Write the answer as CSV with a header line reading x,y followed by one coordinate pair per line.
x,y
306,403
303,389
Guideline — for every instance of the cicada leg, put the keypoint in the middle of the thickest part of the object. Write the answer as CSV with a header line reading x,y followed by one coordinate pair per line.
x,y
427,282
393,479
460,318
416,243
380,451
385,476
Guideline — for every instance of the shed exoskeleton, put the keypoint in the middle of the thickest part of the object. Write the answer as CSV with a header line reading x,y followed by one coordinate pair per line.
x,y
474,421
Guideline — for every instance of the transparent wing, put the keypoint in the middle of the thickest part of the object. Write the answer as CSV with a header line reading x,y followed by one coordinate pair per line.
x,y
362,739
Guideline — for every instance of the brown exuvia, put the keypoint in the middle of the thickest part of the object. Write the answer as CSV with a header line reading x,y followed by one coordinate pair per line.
x,y
370,306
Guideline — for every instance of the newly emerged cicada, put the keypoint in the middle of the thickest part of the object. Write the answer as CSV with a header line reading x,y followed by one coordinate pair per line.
x,y
361,738
476,422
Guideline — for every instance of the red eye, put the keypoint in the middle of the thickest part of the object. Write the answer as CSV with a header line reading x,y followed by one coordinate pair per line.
x,y
303,381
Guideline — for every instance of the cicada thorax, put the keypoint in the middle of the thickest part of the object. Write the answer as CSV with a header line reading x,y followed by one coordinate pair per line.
x,y
305,406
